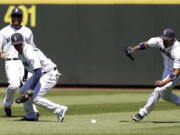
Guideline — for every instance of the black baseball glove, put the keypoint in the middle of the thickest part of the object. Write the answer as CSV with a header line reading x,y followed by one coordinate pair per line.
x,y
128,51
23,98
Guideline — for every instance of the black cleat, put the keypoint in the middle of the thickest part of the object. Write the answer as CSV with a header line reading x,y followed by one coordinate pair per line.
x,y
7,111
137,117
29,119
38,114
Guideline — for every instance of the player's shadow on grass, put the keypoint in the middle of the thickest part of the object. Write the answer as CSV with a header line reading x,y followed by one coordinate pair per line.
x,y
4,116
160,121
35,121
151,121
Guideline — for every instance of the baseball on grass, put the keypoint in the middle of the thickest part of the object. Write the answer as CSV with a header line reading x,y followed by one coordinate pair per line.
x,y
93,121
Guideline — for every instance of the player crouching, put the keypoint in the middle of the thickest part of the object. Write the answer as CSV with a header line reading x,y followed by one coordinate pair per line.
x,y
44,78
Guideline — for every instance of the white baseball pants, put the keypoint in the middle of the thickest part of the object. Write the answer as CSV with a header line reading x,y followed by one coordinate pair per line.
x,y
14,70
165,92
46,82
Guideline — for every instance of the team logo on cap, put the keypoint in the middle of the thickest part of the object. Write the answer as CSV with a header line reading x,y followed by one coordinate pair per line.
x,y
16,10
165,32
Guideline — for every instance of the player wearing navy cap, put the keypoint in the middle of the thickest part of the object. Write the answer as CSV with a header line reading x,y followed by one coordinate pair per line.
x,y
45,77
15,74
170,49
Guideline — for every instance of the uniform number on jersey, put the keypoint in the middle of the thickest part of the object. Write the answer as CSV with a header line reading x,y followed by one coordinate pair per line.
x,y
28,13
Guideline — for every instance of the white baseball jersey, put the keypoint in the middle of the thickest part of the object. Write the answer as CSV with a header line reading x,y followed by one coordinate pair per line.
x,y
33,58
171,55
5,39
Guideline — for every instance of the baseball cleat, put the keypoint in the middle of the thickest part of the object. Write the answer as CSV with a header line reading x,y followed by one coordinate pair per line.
x,y
29,119
137,117
61,114
38,114
7,112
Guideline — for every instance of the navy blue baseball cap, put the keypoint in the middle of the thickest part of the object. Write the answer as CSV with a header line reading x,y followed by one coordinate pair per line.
x,y
168,34
17,12
17,39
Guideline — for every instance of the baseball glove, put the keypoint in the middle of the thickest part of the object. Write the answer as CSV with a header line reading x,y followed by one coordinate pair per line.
x,y
128,51
23,98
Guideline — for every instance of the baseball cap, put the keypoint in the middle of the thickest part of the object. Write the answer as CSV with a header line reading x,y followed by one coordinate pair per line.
x,y
17,11
168,34
17,38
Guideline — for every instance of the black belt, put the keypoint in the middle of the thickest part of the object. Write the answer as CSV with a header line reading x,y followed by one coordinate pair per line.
x,y
12,59
55,68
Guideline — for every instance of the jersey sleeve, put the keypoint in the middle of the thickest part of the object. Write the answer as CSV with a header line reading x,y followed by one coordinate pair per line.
x,y
154,42
2,39
32,59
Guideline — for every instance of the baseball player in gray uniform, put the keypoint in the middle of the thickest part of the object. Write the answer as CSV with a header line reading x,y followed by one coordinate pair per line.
x,y
44,78
170,49
13,66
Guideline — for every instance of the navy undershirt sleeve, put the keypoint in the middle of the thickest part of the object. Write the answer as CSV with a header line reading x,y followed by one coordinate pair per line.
x,y
37,75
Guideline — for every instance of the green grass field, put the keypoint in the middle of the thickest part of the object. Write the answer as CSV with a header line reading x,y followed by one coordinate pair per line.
x,y
112,109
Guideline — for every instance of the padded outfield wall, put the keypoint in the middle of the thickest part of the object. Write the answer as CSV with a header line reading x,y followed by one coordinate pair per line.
x,y
86,39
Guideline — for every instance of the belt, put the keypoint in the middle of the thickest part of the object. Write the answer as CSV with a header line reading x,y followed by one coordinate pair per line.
x,y
12,59
55,68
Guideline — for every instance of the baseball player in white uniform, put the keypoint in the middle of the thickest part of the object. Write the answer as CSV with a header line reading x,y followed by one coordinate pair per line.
x,y
13,66
44,78
170,50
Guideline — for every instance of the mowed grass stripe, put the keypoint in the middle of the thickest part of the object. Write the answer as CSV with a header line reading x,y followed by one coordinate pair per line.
x,y
98,99
118,107
100,108
174,130
89,91
94,91
160,130
113,113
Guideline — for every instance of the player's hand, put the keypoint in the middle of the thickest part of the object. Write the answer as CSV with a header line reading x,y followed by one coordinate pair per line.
x,y
159,83
128,51
25,77
3,56
24,97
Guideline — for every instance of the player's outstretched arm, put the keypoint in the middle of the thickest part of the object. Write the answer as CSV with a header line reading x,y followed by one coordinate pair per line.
x,y
129,50
140,46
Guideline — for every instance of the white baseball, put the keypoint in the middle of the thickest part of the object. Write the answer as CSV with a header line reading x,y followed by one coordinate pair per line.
x,y
93,121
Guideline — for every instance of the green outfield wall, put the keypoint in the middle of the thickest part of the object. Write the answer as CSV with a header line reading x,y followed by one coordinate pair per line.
x,y
87,40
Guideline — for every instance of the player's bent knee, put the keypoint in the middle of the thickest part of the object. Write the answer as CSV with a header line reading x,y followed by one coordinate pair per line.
x,y
13,86
158,90
36,100
163,90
